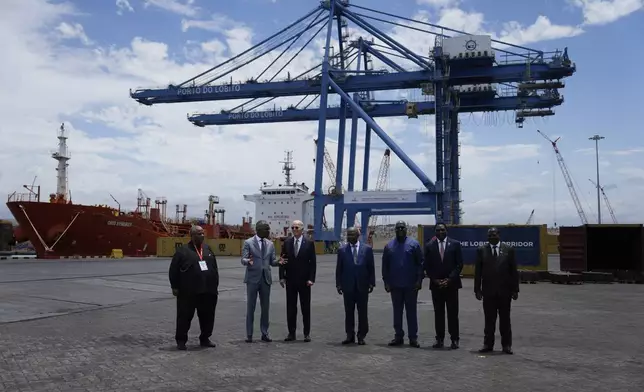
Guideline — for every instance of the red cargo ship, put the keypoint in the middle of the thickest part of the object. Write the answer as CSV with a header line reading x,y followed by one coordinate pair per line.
x,y
59,228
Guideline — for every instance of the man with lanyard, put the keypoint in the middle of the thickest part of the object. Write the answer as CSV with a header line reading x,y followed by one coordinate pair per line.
x,y
194,278
402,274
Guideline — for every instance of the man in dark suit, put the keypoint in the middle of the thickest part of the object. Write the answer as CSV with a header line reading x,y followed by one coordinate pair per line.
x,y
194,279
402,274
355,278
297,273
496,281
443,266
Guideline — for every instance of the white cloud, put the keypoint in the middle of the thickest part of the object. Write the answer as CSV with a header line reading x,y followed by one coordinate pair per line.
x,y
123,5
439,3
118,146
186,7
599,12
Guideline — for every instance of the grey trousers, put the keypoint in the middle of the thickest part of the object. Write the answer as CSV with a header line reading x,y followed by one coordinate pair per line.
x,y
262,289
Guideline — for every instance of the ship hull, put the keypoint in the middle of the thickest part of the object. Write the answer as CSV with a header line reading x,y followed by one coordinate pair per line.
x,y
69,230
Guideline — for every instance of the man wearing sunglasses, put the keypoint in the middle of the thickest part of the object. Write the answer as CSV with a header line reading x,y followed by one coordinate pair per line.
x,y
297,274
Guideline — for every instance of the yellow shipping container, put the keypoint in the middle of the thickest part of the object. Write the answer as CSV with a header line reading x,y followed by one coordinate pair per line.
x,y
166,246
225,246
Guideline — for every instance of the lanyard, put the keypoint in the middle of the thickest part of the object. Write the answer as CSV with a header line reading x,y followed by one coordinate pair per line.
x,y
199,252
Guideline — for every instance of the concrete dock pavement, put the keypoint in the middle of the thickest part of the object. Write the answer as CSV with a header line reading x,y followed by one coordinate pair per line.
x,y
108,325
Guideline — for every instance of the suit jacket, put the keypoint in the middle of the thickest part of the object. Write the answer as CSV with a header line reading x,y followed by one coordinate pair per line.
x,y
402,264
261,267
496,276
449,267
350,276
300,268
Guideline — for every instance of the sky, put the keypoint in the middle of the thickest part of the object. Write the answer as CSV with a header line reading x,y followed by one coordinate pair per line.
x,y
76,61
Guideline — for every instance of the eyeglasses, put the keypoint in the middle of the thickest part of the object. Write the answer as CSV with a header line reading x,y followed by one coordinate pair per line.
x,y
295,228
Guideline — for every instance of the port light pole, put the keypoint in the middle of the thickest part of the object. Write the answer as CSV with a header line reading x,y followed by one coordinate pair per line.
x,y
597,138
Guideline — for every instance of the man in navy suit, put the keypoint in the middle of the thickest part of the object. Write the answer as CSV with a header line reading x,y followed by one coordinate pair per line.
x,y
355,278
443,266
298,275
402,274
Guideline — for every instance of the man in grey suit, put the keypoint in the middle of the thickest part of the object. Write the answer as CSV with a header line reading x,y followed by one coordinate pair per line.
x,y
258,255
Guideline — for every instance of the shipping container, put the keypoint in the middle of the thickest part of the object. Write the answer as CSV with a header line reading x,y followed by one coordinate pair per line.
x,y
602,248
529,243
468,46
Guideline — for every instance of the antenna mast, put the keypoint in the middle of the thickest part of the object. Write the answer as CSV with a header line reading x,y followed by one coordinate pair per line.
x,y
288,167
62,157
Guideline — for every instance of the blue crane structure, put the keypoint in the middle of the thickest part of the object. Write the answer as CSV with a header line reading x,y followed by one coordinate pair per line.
x,y
469,79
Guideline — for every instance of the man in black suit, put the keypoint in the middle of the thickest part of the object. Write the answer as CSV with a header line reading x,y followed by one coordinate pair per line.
x,y
194,279
355,278
496,271
298,275
443,266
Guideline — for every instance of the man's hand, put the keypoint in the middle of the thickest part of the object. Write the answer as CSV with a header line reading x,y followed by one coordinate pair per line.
x,y
250,259
444,282
515,296
309,283
339,290
283,260
370,289
283,283
175,292
419,286
478,295
387,288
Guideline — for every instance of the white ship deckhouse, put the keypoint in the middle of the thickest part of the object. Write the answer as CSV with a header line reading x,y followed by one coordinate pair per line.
x,y
281,204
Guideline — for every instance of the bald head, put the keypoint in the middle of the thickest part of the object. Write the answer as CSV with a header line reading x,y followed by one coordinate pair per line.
x,y
197,235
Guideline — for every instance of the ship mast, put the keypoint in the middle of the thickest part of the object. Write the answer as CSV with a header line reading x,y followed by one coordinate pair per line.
x,y
62,157
288,167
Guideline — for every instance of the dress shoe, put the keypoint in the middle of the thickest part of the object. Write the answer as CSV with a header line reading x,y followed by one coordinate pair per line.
x,y
438,344
396,342
249,339
414,343
207,343
486,349
508,350
454,345
290,338
349,340
266,339
361,341
181,346
307,338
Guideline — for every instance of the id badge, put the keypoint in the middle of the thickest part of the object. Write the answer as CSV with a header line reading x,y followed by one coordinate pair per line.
x,y
203,265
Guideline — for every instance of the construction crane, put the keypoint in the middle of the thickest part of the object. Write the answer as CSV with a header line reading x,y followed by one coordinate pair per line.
x,y
610,208
381,185
332,173
530,218
567,178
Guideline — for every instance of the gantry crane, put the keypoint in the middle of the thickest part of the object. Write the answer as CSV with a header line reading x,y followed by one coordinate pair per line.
x,y
610,208
458,72
567,178
381,185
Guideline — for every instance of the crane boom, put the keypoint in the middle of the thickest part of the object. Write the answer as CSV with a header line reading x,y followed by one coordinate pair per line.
x,y
567,178
610,208
381,183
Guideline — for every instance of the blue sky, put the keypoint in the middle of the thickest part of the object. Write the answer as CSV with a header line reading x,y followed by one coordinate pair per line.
x,y
75,61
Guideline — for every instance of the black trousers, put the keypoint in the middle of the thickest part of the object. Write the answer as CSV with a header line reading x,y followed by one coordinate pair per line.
x,y
205,304
493,305
446,298
353,300
293,291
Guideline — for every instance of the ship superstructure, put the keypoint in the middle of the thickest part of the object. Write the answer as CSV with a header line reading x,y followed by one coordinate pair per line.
x,y
281,204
